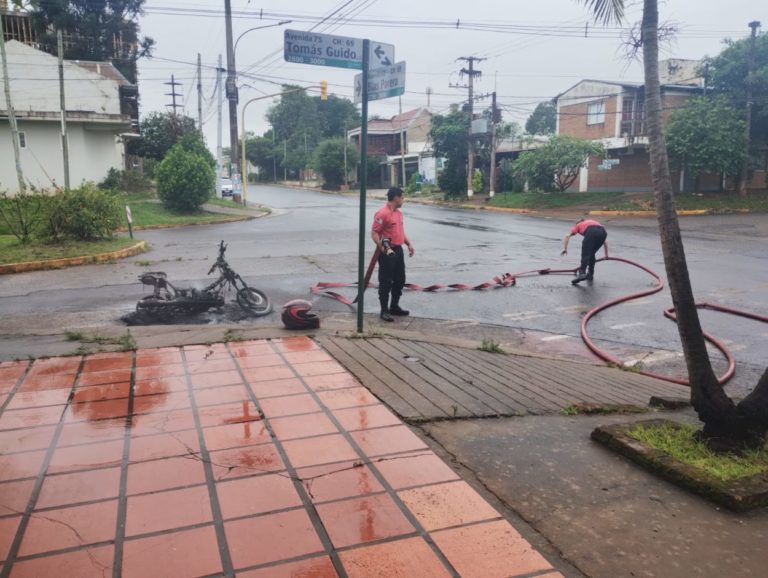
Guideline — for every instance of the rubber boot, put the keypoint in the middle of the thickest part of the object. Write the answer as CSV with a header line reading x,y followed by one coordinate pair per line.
x,y
395,309
579,278
384,315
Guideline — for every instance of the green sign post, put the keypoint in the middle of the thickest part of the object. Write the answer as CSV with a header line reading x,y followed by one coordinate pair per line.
x,y
305,47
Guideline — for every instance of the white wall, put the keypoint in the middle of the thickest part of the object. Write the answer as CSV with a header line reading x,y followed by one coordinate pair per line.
x,y
91,154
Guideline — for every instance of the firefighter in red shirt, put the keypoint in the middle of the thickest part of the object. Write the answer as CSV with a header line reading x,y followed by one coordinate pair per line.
x,y
594,237
388,234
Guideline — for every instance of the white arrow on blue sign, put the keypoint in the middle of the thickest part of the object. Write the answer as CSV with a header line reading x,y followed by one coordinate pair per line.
x,y
338,51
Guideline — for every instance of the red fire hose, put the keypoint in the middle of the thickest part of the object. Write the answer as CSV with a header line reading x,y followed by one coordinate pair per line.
x,y
510,280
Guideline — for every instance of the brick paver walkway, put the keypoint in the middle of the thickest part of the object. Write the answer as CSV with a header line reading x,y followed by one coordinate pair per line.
x,y
261,458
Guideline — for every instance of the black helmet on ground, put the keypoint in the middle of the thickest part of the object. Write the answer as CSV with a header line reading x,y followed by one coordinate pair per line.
x,y
296,315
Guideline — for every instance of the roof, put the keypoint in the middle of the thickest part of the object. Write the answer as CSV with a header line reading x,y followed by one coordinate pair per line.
x,y
394,124
105,69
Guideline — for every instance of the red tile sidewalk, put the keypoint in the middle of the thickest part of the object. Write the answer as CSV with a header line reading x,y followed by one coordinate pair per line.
x,y
261,458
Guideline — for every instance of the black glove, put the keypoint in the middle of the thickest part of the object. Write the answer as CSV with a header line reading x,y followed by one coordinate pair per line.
x,y
387,247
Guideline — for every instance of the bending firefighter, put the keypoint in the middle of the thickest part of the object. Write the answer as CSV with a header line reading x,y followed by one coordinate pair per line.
x,y
594,237
388,234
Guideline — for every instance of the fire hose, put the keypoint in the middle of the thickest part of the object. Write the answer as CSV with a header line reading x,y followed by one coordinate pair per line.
x,y
510,280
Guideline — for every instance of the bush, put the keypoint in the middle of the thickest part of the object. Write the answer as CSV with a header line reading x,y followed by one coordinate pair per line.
x,y
113,181
21,213
127,181
184,180
477,182
328,160
83,214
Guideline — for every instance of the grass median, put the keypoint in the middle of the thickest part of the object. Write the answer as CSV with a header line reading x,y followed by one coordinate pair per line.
x,y
714,203
13,251
148,213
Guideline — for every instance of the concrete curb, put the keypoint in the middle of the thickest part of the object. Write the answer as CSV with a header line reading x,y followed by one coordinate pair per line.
x,y
688,213
139,247
235,219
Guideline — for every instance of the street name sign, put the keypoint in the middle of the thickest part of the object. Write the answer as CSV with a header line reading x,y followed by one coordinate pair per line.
x,y
383,82
305,47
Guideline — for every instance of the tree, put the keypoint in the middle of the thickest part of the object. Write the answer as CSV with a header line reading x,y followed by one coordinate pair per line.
x,y
706,136
159,132
557,163
726,425
184,180
728,76
543,119
262,152
328,160
106,30
300,122
449,137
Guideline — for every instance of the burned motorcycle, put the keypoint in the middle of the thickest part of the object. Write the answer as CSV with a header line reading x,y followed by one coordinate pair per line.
x,y
168,300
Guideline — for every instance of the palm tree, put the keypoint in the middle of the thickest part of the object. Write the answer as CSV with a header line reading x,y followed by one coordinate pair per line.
x,y
727,426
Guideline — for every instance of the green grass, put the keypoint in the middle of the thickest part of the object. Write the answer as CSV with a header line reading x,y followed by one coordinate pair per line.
x,y
125,341
12,251
153,214
678,441
490,346
714,202
224,202
552,200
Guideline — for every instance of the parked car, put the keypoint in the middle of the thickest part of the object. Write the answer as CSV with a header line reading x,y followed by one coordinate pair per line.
x,y
226,187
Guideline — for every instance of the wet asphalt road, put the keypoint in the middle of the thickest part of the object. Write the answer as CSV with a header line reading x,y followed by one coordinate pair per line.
x,y
313,237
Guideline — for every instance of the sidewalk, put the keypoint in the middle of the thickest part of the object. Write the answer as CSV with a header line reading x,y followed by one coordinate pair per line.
x,y
261,458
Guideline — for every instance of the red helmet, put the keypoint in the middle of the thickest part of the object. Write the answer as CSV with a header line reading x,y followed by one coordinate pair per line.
x,y
296,315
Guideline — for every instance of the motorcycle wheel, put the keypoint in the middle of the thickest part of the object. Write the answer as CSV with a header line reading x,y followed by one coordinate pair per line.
x,y
254,301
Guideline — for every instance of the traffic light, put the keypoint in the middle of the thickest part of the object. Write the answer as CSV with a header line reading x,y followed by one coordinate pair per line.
x,y
323,90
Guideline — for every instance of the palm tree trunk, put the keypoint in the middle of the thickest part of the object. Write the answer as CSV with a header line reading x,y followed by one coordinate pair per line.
x,y
714,407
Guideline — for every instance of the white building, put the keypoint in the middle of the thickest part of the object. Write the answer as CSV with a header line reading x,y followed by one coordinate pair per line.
x,y
95,120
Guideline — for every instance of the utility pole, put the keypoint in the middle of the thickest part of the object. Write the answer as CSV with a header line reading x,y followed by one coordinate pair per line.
x,y
754,25
219,70
63,106
231,87
11,112
285,152
173,94
199,95
494,119
471,74
429,99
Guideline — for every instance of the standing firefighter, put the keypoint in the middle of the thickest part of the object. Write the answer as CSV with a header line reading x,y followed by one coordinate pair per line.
x,y
594,237
388,234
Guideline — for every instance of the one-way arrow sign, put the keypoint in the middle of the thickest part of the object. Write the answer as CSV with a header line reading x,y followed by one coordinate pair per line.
x,y
383,82
381,54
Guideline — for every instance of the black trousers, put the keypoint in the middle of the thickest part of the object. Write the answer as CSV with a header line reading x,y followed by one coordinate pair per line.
x,y
594,237
391,277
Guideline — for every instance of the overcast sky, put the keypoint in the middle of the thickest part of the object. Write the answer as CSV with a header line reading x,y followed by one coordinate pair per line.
x,y
534,50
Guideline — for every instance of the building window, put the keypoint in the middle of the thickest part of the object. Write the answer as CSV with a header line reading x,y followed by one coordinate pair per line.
x,y
22,140
633,117
596,113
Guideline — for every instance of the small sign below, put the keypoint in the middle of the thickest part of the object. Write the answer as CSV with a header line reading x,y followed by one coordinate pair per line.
x,y
383,82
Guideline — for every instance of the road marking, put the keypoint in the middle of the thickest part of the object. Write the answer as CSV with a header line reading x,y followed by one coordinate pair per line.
x,y
573,309
524,315
555,337
625,325
640,302
654,357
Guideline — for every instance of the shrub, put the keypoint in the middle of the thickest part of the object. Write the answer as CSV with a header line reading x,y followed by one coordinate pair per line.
x,y
83,214
328,160
477,182
128,181
21,213
184,180
113,181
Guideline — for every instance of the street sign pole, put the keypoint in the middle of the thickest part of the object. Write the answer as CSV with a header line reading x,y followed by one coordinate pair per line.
x,y
363,187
